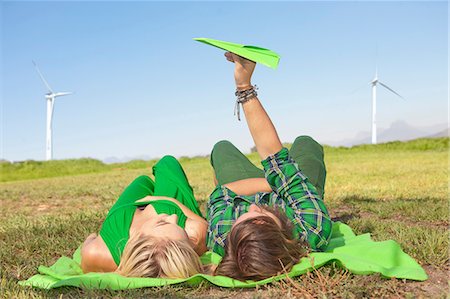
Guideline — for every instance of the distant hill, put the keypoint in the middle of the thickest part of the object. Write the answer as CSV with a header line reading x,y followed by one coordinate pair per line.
x,y
443,133
398,131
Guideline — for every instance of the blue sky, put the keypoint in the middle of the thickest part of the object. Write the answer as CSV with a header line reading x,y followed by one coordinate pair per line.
x,y
144,87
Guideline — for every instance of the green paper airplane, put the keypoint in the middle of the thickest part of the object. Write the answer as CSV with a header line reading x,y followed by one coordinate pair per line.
x,y
256,54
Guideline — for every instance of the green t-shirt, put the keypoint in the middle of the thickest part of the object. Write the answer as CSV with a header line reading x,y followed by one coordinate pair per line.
x,y
115,230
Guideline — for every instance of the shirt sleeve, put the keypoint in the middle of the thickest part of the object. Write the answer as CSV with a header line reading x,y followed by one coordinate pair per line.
x,y
292,186
219,217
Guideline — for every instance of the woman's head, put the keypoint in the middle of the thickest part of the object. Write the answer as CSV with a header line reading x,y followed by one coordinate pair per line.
x,y
260,246
163,225
151,256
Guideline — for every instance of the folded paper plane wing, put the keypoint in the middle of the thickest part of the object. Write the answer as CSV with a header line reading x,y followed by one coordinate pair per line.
x,y
256,54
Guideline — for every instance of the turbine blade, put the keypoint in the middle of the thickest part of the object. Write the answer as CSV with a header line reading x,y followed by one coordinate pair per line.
x,y
42,77
358,89
60,94
387,87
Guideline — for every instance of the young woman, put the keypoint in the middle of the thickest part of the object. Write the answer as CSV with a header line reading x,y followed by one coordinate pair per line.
x,y
263,222
155,229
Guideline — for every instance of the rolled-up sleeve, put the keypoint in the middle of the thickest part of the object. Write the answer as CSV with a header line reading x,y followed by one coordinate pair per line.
x,y
219,217
288,182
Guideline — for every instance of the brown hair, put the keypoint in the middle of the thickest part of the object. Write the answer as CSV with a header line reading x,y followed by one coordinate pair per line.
x,y
146,256
258,248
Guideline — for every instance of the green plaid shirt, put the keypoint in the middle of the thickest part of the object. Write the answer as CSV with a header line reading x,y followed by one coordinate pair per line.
x,y
292,192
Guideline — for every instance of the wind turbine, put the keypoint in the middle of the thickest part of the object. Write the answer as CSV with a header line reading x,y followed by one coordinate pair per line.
x,y
50,96
374,83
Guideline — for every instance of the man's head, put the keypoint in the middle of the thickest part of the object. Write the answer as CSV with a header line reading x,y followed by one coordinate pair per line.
x,y
260,245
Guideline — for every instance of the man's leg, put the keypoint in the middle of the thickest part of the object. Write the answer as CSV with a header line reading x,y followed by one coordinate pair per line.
x,y
232,165
308,154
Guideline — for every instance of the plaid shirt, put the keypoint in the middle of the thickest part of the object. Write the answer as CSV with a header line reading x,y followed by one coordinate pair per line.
x,y
292,192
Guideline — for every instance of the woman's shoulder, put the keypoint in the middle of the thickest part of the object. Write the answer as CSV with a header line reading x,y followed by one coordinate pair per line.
x,y
196,231
95,256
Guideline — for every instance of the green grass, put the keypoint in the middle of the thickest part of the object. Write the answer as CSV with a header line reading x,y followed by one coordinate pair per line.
x,y
30,169
421,144
393,191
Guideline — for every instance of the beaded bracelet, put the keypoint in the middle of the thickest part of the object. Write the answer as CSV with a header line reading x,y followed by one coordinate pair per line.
x,y
244,96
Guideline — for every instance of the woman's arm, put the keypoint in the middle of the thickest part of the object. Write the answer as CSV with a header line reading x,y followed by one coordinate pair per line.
x,y
95,256
261,127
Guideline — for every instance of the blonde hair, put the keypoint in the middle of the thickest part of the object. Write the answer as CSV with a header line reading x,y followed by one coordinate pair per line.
x,y
147,256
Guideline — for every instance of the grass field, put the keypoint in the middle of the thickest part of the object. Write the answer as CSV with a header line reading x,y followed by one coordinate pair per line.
x,y
394,191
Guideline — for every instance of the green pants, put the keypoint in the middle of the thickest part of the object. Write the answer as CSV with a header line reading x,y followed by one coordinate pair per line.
x,y
170,181
231,165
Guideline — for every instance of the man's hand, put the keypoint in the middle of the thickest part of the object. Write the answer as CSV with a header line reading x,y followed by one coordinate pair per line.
x,y
243,70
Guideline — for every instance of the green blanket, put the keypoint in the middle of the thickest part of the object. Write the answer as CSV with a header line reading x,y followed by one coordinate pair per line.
x,y
359,254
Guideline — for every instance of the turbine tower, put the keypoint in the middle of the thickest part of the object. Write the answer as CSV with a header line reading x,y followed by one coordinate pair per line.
x,y
374,83
50,96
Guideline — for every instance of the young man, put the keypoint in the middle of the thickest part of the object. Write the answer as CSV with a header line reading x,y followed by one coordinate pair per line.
x,y
263,222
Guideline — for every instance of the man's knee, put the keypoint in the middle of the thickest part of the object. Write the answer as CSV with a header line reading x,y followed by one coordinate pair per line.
x,y
308,141
219,149
222,146
305,139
